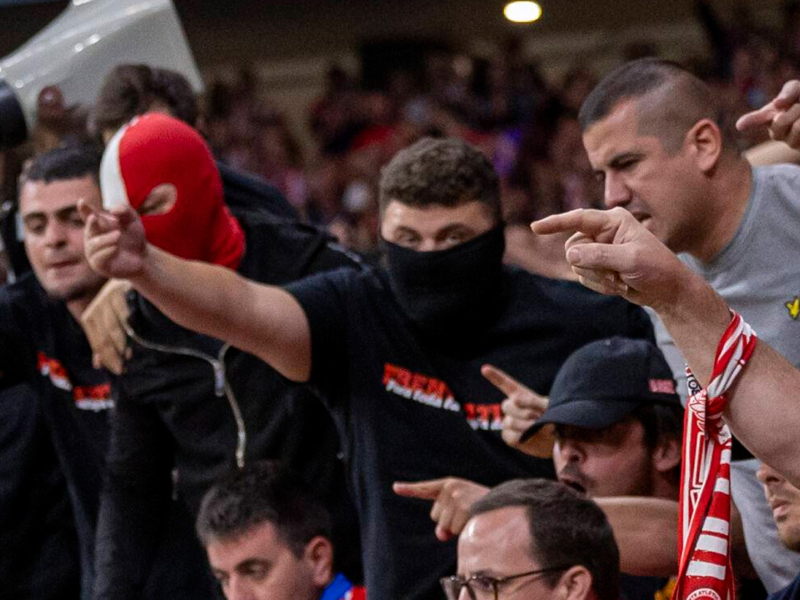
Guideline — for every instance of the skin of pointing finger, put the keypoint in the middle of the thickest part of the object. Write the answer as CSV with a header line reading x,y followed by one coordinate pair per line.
x,y
756,118
506,405
789,94
436,511
427,490
502,381
442,534
597,287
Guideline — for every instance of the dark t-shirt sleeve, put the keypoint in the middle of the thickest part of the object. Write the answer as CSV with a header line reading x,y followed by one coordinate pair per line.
x,y
323,298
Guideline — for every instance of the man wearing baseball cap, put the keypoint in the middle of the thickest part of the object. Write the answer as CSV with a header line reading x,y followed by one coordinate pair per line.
x,y
617,421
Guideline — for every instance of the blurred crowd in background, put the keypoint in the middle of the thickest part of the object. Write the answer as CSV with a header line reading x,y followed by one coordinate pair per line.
x,y
524,121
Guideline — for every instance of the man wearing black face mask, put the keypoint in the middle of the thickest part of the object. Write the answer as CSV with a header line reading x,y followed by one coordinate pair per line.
x,y
397,353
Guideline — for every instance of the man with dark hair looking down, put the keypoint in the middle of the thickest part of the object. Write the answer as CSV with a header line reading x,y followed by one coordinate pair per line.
x,y
397,354
268,537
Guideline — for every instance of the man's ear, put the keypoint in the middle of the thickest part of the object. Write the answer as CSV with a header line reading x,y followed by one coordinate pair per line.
x,y
319,555
575,584
705,141
667,454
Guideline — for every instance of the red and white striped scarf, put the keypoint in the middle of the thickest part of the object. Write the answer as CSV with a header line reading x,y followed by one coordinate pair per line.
x,y
705,502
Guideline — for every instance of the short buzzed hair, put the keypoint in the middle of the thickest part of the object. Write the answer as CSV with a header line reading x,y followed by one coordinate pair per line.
x,y
70,161
440,171
566,529
685,101
263,492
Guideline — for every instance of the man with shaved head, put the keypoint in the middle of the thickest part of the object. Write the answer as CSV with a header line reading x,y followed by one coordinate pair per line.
x,y
655,136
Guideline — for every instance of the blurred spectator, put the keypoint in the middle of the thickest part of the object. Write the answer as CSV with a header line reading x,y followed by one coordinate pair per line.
x,y
131,90
268,537
502,104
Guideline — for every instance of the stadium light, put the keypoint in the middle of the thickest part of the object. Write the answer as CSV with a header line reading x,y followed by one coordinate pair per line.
x,y
524,11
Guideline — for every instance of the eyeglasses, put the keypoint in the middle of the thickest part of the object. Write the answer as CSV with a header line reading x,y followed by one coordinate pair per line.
x,y
482,587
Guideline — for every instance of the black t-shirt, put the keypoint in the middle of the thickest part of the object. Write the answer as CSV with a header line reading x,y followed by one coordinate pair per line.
x,y
37,533
790,592
42,344
412,410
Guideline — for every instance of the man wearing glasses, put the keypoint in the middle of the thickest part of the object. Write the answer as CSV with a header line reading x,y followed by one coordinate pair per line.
x,y
535,538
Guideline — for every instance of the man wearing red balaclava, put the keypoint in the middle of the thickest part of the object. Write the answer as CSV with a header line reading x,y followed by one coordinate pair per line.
x,y
188,402
175,186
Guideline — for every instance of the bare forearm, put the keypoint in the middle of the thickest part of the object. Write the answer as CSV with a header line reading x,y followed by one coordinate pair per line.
x,y
263,320
646,530
764,407
696,321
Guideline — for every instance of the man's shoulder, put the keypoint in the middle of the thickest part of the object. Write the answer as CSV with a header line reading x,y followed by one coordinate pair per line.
x,y
25,291
282,250
536,300
538,287
782,179
366,279
244,191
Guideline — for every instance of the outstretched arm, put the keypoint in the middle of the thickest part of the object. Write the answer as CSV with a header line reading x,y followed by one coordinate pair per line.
x,y
614,254
645,528
263,320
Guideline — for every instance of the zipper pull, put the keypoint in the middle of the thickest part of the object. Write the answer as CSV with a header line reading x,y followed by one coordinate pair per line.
x,y
240,450
219,378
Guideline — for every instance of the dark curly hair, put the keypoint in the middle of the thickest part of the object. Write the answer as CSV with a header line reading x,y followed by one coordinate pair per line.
x,y
440,171
263,492
131,90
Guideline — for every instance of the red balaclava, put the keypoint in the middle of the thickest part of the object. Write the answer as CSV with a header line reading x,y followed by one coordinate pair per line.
x,y
154,149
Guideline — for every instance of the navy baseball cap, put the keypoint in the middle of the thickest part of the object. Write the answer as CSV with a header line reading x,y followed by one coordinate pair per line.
x,y
603,382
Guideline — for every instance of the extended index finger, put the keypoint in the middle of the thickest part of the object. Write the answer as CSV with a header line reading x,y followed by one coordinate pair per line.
x,y
757,118
426,490
789,95
97,221
588,221
502,380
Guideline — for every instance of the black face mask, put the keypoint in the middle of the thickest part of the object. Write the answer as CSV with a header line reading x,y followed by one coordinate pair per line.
x,y
453,291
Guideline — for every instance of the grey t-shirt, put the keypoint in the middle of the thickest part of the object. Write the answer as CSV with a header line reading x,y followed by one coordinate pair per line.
x,y
758,275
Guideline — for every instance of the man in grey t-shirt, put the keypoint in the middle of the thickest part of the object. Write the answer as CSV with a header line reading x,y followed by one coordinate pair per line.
x,y
651,132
